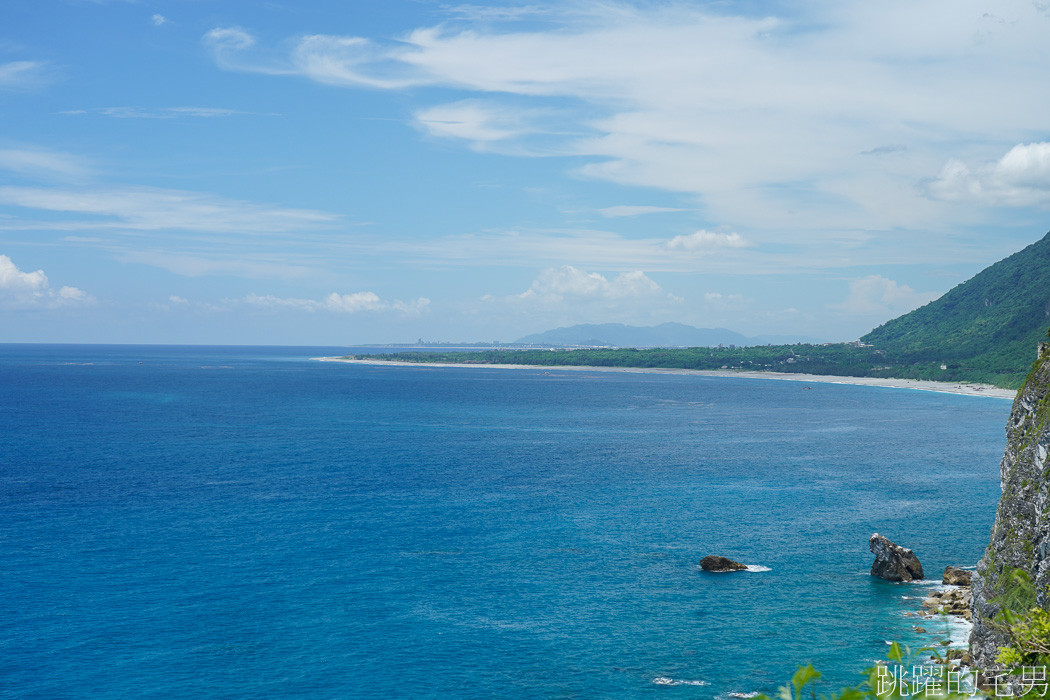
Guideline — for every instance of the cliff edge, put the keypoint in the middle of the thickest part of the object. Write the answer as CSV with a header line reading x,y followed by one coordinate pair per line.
x,y
1021,533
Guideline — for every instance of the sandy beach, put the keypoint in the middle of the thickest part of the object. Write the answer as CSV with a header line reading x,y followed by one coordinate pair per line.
x,y
965,389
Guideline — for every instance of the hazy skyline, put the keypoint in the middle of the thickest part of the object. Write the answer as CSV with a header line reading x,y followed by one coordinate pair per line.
x,y
336,173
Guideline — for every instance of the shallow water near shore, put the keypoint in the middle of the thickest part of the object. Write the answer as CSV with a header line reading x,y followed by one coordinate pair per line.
x,y
186,522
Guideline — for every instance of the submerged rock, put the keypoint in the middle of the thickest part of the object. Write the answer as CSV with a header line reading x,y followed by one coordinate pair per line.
x,y
893,562
954,576
713,562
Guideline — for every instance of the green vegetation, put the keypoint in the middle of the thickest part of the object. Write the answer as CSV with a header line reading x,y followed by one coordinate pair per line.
x,y
1027,628
987,326
839,359
904,676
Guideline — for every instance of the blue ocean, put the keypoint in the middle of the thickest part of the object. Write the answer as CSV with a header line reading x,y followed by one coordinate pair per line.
x,y
245,522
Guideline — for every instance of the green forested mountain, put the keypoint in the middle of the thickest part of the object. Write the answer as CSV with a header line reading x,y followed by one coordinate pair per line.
x,y
988,325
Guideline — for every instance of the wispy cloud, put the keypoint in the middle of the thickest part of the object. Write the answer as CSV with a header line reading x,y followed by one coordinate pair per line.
x,y
155,209
735,108
38,162
627,210
480,13
23,75
159,20
357,302
160,112
215,263
32,290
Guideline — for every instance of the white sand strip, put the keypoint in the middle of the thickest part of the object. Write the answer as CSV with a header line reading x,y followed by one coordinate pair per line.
x,y
965,389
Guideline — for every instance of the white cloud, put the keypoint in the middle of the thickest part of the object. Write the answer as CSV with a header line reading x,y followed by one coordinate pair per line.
x,y
229,38
41,162
342,303
707,240
18,75
568,282
158,112
1019,178
626,210
32,290
876,295
565,295
159,20
189,265
154,209
753,113
472,120
726,302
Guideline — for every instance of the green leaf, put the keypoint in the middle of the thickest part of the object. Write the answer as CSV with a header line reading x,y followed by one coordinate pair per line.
x,y
803,675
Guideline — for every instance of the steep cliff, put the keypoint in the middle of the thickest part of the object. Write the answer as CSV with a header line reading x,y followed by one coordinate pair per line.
x,y
1021,533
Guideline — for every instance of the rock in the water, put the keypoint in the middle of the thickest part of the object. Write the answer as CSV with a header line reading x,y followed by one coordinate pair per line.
x,y
956,577
713,562
893,562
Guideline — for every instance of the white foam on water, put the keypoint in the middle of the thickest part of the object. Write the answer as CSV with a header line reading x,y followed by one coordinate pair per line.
x,y
664,680
754,568
742,695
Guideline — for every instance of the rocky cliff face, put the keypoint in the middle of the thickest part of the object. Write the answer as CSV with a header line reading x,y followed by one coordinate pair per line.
x,y
1021,533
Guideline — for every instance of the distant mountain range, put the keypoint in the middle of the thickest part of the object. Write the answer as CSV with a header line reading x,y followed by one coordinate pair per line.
x,y
663,335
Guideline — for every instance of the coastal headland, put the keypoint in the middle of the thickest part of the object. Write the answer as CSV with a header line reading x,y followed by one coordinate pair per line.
x,y
964,388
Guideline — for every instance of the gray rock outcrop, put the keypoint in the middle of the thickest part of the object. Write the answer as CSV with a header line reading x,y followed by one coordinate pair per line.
x,y
1021,534
717,564
893,562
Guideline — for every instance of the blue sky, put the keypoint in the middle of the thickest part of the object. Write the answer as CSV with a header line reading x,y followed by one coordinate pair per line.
x,y
205,171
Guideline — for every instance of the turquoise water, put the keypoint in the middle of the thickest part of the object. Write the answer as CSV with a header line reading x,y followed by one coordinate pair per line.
x,y
183,522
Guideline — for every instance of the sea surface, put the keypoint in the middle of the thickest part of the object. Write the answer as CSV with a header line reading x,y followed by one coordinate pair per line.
x,y
245,522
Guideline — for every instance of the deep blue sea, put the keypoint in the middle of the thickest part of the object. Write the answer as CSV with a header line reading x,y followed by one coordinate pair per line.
x,y
244,523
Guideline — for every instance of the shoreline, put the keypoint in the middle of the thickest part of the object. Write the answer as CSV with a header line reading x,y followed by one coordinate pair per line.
x,y
961,388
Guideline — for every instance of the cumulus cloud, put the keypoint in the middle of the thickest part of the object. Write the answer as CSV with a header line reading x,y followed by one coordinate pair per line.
x,y
1020,178
342,303
159,20
566,295
875,294
726,302
707,240
569,283
32,290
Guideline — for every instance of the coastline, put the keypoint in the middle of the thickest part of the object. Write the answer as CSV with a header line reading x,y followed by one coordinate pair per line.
x,y
964,389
